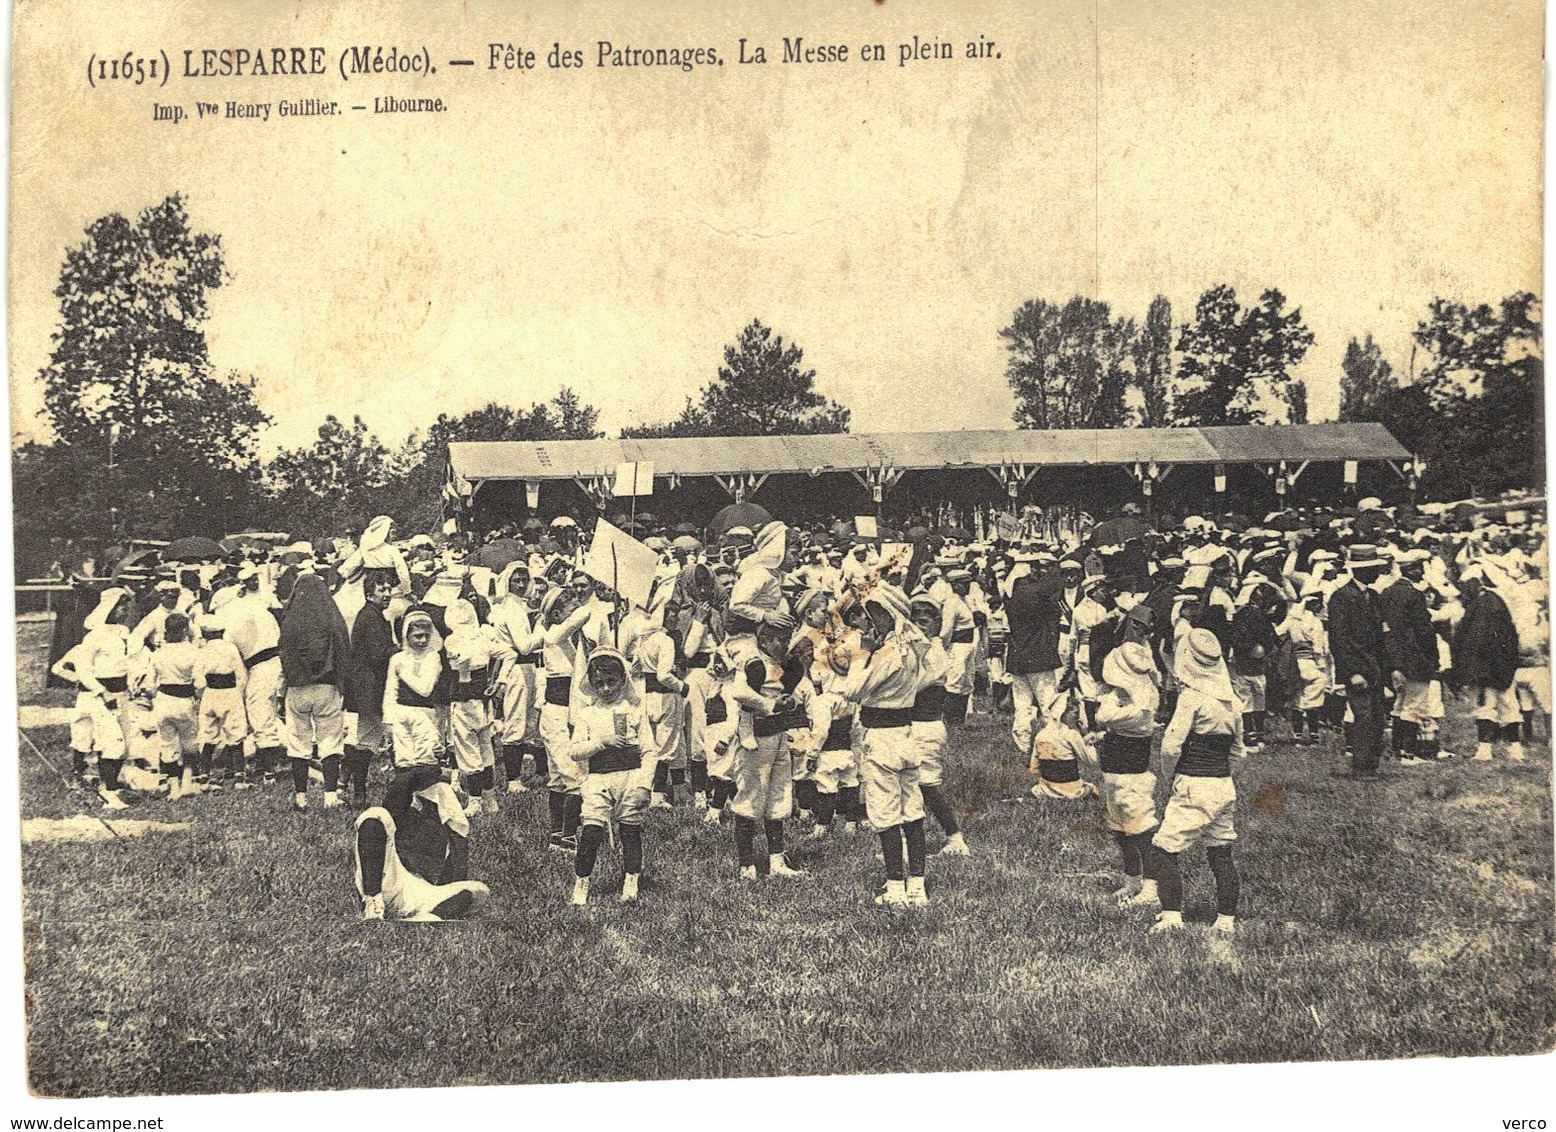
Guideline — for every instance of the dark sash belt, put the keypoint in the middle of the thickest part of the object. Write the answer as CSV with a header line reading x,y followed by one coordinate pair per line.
x,y
616,759
177,691
559,690
879,718
261,656
963,636
221,680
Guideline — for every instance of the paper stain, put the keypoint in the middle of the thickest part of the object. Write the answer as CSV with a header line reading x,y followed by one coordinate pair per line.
x,y
83,828
1270,799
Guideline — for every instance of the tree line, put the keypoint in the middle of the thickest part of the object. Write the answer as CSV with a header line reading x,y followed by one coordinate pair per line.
x,y
151,439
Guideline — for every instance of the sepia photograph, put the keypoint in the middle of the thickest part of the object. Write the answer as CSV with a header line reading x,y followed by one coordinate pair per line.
x,y
569,544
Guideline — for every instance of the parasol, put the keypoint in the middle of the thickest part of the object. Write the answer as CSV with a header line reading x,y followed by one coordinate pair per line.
x,y
749,515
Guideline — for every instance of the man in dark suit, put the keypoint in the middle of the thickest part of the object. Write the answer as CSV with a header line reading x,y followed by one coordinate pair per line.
x,y
1361,661
1410,640
1032,650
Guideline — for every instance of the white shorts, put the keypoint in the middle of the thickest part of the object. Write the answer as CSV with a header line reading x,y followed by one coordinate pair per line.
x,y
1129,801
1200,809
1419,701
888,774
415,734
621,795
95,728
929,740
470,727
556,732
178,727
1497,706
223,720
1250,690
1533,687
764,780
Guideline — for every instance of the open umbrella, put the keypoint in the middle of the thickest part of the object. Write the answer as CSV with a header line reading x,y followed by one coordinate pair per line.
x,y
192,549
749,515
960,534
1116,532
137,565
499,552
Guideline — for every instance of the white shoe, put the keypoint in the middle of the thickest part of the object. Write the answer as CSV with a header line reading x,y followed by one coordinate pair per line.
x,y
373,907
955,847
474,808
895,896
778,867
850,826
660,802
1482,754
916,896
581,891
112,801
516,787
747,872
700,800
332,799
629,888
819,833
1446,754
489,803
713,816
1411,760
1167,922
1515,751
299,801
1226,925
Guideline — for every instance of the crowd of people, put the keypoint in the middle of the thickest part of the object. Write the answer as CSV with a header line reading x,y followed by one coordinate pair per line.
x,y
786,682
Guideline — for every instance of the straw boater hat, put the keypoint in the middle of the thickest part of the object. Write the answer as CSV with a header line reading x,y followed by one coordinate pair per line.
x,y
1200,666
1363,554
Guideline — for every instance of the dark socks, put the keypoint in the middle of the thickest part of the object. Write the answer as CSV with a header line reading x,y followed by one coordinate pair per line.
x,y
1512,732
300,775
234,756
572,810
1225,872
1169,880
891,850
1131,853
805,794
1407,736
774,831
631,847
826,806
1143,851
512,761
78,761
109,770
555,802
1485,731
699,778
745,840
955,712
722,790
542,762
913,835
589,839
662,778
849,805
939,806
372,843
332,774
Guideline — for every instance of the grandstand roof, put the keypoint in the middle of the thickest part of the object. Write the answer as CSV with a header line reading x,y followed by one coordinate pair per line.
x,y
479,462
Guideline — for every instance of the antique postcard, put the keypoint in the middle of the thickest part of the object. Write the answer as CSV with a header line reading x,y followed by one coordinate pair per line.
x,y
821,544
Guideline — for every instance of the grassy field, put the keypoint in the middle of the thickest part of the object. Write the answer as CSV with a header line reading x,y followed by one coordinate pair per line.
x,y
1411,917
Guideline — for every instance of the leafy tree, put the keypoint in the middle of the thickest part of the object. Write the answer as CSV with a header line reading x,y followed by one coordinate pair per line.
x,y
1237,362
332,487
1477,413
1153,365
158,440
1366,378
762,390
1069,366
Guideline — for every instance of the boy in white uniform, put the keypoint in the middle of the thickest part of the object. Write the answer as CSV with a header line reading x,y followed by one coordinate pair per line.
x,y
475,656
219,676
611,742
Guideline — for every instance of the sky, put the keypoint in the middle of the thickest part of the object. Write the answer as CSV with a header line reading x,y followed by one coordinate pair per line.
x,y
611,229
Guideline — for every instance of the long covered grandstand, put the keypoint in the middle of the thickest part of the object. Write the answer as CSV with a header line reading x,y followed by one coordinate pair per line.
x,y
858,472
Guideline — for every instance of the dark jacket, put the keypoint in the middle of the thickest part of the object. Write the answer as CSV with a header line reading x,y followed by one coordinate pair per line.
x,y
362,679
1485,645
1408,635
1253,641
1356,635
1034,614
